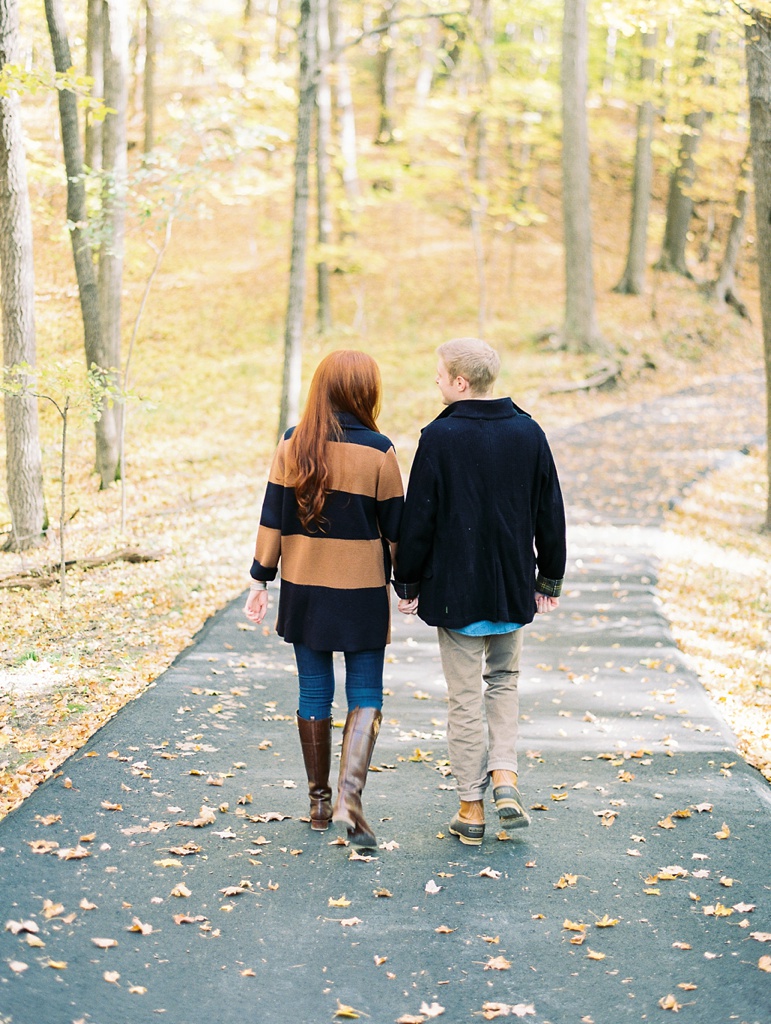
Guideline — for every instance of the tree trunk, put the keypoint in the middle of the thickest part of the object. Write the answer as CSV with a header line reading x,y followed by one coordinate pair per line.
x,y
244,58
77,215
95,70
151,46
633,279
680,202
292,380
386,76
323,143
114,158
346,122
723,289
758,35
580,330
24,472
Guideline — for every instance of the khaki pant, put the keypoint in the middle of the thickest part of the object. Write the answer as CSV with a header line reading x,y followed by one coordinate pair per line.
x,y
468,662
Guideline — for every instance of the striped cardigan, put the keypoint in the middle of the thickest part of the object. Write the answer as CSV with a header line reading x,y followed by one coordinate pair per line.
x,y
334,579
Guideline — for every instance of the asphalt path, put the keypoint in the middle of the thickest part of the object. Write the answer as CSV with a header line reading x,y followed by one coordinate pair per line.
x,y
166,873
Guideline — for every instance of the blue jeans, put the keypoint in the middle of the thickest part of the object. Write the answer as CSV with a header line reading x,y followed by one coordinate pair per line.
x,y
363,680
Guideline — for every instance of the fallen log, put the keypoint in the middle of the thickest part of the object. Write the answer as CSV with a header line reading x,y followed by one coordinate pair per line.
x,y
49,575
601,376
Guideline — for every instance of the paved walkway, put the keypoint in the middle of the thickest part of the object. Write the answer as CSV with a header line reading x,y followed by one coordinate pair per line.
x,y
182,818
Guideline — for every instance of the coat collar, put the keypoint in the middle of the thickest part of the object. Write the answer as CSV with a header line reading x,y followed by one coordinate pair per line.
x,y
482,409
349,422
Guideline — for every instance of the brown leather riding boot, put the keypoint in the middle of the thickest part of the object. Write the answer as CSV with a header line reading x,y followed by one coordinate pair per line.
x,y
361,729
316,741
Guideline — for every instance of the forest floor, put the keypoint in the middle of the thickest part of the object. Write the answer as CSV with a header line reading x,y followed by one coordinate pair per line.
x,y
201,429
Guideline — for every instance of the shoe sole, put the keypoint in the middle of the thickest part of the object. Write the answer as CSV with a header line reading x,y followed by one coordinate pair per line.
x,y
465,839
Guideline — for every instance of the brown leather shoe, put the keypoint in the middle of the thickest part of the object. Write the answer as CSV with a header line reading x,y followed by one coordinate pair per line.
x,y
316,742
361,730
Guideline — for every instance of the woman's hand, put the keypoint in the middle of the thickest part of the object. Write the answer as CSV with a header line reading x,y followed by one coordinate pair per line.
x,y
408,607
256,605
544,603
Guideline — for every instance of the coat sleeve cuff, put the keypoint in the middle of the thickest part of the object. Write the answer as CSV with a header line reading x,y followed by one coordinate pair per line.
x,y
262,572
552,588
406,591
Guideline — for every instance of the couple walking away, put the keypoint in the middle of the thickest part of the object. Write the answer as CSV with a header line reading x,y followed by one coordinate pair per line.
x,y
481,549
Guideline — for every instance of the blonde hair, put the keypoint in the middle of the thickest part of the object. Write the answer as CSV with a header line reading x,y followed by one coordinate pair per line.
x,y
472,359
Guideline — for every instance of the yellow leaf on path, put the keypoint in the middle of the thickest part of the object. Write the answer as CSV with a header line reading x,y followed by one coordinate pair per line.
x,y
681,945
341,902
574,926
33,940
724,832
111,977
606,922
346,1012
350,922
381,893
444,930
410,1018
58,965
42,845
111,807
652,892
718,910
765,964
51,909
559,796
17,966
105,943
761,936
592,954
686,986
48,819
86,905
137,926
137,990
666,822
492,940
669,1003
181,890
379,960
248,973
168,862
565,881
434,1010
578,940
497,963
727,882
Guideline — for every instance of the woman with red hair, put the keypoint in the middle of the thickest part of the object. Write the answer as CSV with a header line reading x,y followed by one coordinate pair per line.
x,y
331,516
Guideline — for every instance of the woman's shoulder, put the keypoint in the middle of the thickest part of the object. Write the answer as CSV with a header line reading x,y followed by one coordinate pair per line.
x,y
362,435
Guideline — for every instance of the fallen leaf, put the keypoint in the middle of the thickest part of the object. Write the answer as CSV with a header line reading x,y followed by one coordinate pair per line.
x,y
111,977
666,822
574,926
187,919
410,1018
497,963
58,965
492,940
42,845
724,832
686,986
761,936
434,1010
346,1012
137,926
669,1003
14,927
341,902
681,945
384,893
366,857
111,807
765,964
380,960
181,890
432,888
137,990
51,909
489,873
444,930
744,908
248,973
86,904
350,922
565,881
17,966
33,940
592,954
105,943
606,922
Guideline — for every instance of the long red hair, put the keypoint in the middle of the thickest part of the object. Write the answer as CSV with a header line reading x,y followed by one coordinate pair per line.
x,y
344,381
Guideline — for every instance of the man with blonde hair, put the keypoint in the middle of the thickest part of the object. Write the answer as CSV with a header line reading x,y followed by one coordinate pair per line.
x,y
481,550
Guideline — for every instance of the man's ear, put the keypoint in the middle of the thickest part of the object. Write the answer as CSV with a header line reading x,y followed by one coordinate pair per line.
x,y
461,384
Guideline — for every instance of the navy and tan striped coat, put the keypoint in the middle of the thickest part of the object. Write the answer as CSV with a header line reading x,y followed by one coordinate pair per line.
x,y
334,580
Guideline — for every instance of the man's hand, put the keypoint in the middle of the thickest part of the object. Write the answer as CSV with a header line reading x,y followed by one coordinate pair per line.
x,y
544,603
408,607
256,605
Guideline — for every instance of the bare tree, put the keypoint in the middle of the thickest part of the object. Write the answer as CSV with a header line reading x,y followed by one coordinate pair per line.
x,y
723,289
346,120
106,434
148,91
681,181
323,144
580,329
292,378
633,279
114,170
386,74
95,71
758,50
24,471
